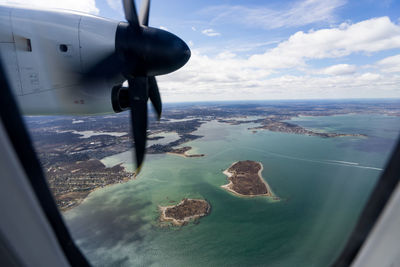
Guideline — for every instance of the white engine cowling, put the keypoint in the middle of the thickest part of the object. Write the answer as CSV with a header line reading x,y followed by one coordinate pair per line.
x,y
45,54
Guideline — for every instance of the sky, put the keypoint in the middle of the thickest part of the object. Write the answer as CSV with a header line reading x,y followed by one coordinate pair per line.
x,y
277,49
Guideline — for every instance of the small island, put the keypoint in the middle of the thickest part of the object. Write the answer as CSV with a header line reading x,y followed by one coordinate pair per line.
x,y
185,211
182,151
245,180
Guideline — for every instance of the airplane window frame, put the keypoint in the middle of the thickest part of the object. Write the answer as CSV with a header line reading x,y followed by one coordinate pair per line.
x,y
21,141
382,191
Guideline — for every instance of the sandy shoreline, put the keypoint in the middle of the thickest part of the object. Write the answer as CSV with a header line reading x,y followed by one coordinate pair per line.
x,y
176,222
186,155
229,186
84,198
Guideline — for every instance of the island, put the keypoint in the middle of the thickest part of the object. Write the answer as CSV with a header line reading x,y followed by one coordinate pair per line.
x,y
185,211
245,180
182,151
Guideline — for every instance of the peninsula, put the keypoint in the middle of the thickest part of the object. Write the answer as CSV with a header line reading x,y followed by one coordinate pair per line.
x,y
182,151
185,211
245,180
71,183
285,127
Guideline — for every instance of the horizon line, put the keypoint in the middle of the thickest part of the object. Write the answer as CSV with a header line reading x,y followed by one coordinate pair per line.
x,y
285,99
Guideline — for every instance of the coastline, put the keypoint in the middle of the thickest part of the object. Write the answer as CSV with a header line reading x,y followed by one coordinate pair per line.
x,y
80,196
228,187
80,200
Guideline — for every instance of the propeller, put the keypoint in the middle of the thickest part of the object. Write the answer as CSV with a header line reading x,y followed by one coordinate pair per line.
x,y
141,53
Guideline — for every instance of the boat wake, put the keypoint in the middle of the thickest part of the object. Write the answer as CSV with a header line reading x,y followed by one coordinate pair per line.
x,y
327,161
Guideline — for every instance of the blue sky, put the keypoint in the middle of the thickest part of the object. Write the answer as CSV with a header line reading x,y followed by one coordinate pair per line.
x,y
244,50
238,30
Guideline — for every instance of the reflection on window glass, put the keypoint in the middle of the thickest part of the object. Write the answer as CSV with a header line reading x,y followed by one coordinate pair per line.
x,y
229,183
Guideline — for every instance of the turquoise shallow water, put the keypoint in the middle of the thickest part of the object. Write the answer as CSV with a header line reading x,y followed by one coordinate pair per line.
x,y
323,183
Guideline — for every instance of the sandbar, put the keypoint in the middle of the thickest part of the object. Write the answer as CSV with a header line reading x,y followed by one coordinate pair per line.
x,y
182,152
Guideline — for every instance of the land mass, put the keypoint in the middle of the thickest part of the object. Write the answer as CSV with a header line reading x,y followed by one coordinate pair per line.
x,y
245,180
185,211
285,127
71,183
71,148
72,160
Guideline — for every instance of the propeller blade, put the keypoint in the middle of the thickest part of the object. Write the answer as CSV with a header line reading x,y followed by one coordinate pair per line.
x,y
130,12
154,95
138,95
144,12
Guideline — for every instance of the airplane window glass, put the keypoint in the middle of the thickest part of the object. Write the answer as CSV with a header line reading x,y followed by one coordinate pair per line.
x,y
319,160
277,120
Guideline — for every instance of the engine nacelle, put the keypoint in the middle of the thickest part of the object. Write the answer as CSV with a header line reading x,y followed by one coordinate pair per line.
x,y
45,53
120,98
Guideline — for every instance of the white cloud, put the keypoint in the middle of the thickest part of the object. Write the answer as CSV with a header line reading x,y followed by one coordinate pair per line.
x,y
390,64
87,6
339,69
367,36
226,55
298,14
194,28
163,28
228,76
210,32
206,79
115,4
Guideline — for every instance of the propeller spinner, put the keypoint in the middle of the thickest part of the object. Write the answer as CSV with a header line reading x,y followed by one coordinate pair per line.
x,y
141,53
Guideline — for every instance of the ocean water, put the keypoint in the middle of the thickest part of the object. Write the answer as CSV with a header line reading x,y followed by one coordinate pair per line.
x,y
323,184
